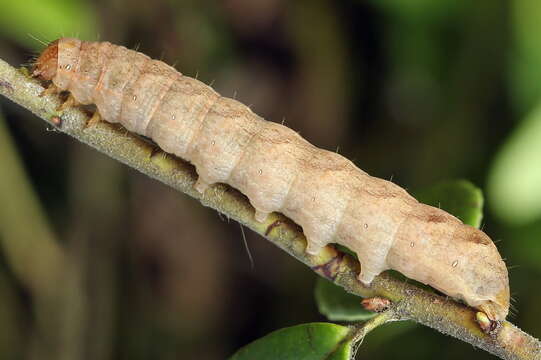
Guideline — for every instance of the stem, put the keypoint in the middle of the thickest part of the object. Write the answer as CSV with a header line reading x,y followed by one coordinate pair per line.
x,y
444,315
363,329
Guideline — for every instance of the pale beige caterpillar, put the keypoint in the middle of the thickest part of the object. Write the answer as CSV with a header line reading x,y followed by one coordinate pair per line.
x,y
326,194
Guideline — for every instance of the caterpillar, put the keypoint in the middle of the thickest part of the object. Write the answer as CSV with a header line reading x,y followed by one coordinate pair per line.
x,y
279,171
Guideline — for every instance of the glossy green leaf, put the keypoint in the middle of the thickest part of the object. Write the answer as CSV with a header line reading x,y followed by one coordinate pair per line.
x,y
458,197
337,304
514,185
301,342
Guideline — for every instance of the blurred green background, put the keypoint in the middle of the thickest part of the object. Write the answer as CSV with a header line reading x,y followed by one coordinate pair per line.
x,y
414,90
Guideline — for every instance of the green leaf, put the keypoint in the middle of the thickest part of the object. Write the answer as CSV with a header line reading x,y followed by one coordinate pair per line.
x,y
301,342
337,304
458,197
514,185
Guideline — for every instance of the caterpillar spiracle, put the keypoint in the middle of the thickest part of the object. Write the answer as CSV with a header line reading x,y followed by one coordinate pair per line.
x,y
326,194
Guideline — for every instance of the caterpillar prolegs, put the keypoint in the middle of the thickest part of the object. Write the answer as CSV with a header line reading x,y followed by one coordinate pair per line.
x,y
279,171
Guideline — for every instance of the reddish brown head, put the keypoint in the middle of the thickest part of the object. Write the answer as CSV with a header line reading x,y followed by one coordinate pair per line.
x,y
46,64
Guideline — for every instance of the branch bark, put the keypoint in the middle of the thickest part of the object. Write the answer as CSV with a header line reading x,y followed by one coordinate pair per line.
x,y
422,306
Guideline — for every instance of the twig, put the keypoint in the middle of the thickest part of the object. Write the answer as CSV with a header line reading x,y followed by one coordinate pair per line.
x,y
360,331
419,305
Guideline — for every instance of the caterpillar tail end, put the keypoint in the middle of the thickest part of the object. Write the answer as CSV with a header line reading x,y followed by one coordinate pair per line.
x,y
498,308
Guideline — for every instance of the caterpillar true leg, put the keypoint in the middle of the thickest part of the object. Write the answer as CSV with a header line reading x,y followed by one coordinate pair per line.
x,y
51,90
71,101
95,119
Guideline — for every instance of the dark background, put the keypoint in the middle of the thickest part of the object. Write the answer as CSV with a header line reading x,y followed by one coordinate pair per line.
x,y
414,90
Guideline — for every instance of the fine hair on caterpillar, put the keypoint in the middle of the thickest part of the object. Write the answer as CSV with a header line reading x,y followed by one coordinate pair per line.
x,y
326,194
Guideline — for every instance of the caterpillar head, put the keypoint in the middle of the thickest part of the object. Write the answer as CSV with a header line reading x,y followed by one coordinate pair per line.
x,y
46,65
58,62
